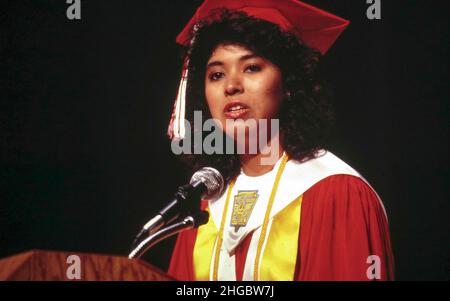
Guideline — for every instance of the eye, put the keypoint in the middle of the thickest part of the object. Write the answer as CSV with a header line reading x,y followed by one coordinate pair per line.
x,y
252,68
215,76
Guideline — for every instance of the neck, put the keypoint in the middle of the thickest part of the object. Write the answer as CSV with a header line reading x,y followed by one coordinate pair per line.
x,y
254,165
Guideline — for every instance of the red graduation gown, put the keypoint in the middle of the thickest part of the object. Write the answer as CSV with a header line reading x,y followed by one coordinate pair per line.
x,y
342,223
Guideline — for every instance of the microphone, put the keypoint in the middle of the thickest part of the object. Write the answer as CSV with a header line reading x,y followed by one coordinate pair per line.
x,y
206,183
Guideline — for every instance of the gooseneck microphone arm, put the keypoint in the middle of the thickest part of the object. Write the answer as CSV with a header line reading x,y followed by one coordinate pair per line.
x,y
187,223
182,202
206,183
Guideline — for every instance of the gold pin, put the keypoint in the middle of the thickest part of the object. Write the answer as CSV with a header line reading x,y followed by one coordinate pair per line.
x,y
243,205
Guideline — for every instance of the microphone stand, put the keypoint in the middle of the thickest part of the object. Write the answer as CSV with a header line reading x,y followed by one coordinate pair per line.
x,y
189,222
180,202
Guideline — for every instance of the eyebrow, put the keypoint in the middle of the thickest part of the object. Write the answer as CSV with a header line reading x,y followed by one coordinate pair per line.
x,y
242,58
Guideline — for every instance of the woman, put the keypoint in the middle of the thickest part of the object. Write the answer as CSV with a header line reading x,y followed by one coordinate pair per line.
x,y
291,210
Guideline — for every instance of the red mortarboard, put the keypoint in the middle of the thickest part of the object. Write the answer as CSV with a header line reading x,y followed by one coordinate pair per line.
x,y
315,27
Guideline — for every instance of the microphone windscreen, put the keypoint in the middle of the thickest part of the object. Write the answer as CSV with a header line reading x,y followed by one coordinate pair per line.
x,y
213,181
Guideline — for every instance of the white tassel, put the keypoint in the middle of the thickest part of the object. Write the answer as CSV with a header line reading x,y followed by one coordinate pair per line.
x,y
176,128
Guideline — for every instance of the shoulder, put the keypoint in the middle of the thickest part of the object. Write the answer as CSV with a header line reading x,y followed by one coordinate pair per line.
x,y
339,183
342,192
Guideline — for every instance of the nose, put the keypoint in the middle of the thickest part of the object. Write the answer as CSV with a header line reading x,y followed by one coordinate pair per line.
x,y
233,86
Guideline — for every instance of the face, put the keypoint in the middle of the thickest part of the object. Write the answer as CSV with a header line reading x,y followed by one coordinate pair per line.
x,y
240,85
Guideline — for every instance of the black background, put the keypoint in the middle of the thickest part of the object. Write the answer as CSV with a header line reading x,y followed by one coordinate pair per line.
x,y
84,106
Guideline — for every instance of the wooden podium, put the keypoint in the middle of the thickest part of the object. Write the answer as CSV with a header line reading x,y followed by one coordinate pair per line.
x,y
39,265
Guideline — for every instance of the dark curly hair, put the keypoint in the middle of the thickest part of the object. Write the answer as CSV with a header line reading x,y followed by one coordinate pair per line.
x,y
305,117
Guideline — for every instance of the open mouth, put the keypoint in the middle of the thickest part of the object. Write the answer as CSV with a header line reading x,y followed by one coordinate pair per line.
x,y
235,110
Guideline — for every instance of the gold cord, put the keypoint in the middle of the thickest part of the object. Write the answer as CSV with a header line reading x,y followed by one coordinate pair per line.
x,y
264,226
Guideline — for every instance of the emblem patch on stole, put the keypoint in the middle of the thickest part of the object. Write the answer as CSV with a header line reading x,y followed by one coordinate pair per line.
x,y
243,205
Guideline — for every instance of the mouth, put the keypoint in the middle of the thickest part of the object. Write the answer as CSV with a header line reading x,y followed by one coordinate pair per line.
x,y
235,110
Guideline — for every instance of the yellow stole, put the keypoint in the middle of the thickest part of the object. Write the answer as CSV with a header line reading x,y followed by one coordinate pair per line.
x,y
279,256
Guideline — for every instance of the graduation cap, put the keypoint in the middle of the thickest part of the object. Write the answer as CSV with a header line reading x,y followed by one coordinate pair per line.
x,y
317,28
